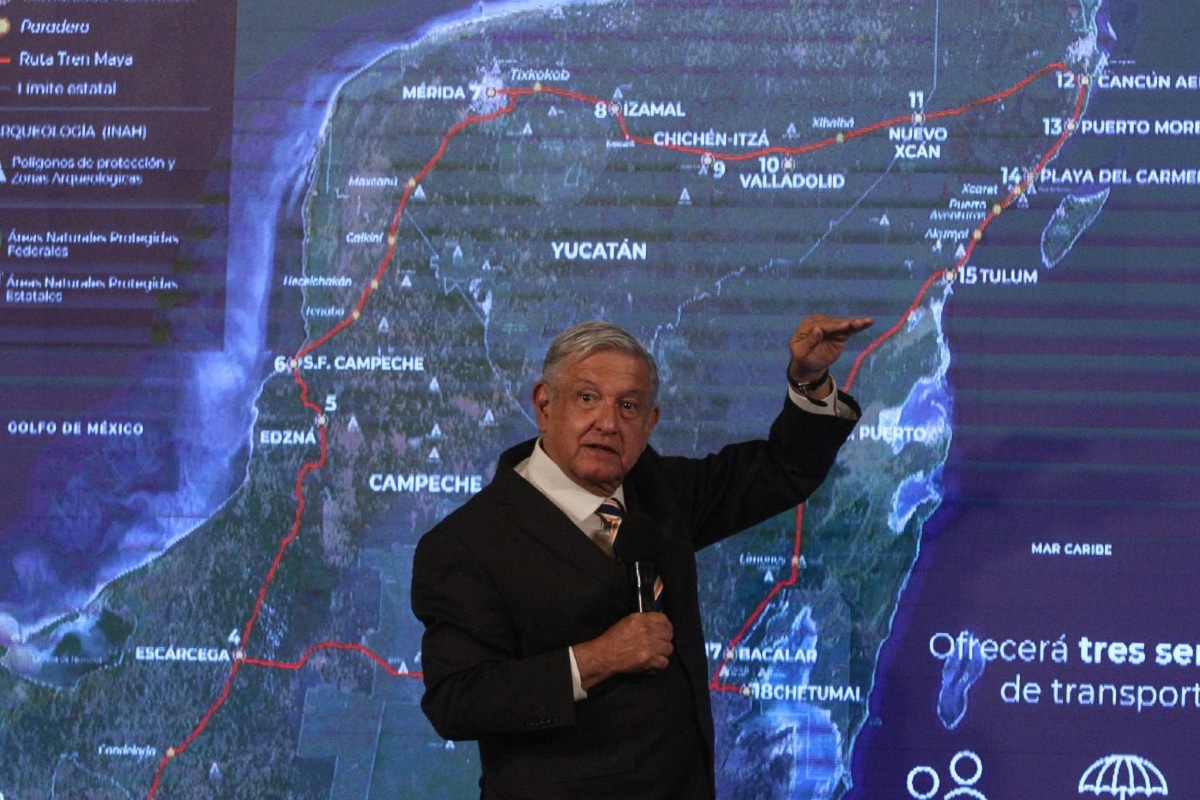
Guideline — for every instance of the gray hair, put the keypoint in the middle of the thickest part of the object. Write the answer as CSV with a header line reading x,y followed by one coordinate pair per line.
x,y
582,340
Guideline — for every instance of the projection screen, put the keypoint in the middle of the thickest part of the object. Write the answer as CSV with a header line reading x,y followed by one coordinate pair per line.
x,y
277,280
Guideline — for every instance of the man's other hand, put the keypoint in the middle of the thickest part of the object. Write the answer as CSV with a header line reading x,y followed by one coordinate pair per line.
x,y
637,643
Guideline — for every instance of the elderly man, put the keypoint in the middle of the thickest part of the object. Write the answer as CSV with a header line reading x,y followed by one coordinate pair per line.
x,y
533,642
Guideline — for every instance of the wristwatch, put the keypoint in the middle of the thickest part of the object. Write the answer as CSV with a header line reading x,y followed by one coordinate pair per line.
x,y
811,386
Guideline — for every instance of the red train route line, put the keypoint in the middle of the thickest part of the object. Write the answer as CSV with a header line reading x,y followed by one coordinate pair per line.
x,y
977,236
715,684
312,466
316,648
475,119
298,377
840,138
995,211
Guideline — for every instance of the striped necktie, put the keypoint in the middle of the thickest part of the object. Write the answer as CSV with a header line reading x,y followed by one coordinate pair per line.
x,y
612,512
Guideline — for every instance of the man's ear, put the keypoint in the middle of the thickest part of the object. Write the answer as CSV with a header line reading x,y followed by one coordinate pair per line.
x,y
541,403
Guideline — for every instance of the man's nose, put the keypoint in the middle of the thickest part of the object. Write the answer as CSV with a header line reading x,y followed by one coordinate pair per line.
x,y
606,417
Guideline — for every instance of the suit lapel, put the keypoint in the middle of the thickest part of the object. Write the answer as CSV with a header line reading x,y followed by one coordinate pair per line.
x,y
545,524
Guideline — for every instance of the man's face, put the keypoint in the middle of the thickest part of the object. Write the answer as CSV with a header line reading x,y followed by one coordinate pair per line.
x,y
596,418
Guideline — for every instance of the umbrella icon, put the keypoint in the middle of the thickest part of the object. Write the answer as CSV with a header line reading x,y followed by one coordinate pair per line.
x,y
1123,776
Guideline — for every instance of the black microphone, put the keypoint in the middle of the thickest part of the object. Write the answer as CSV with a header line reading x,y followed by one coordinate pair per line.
x,y
639,545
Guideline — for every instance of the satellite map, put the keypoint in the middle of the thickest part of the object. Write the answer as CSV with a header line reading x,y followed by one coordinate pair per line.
x,y
204,594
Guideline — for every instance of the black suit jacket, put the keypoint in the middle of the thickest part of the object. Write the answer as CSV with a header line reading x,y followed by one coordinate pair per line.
x,y
505,584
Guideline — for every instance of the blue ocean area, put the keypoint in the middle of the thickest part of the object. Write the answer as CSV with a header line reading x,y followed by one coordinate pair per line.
x,y
925,411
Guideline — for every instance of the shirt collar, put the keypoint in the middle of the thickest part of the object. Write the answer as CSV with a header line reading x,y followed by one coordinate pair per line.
x,y
576,502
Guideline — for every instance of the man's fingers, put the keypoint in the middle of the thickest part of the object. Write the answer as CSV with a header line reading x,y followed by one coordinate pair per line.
x,y
819,326
843,329
647,640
